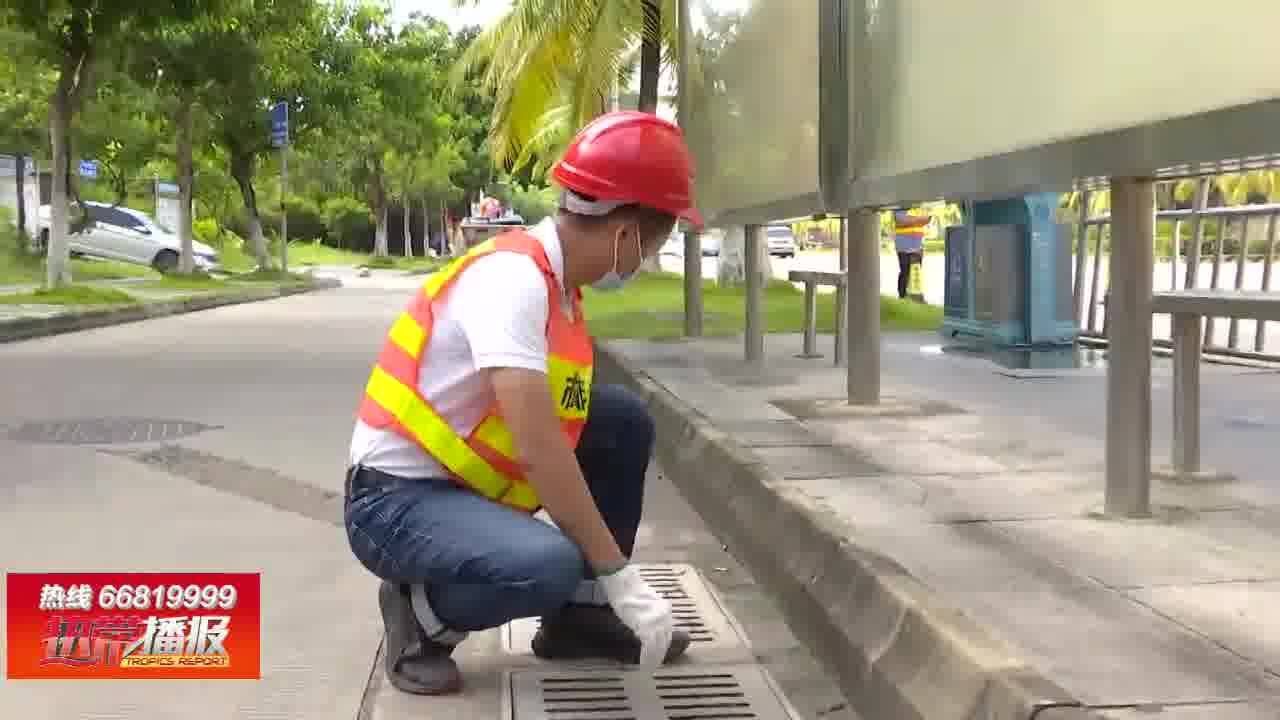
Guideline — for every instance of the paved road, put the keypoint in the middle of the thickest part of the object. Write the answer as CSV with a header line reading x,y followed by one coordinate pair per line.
x,y
256,402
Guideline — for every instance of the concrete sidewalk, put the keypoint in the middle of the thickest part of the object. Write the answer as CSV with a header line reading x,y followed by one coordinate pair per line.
x,y
945,558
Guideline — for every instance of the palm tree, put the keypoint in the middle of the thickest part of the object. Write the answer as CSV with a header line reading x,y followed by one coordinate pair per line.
x,y
553,65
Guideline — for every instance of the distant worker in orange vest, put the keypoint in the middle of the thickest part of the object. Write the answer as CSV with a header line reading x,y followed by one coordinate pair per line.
x,y
481,410
908,240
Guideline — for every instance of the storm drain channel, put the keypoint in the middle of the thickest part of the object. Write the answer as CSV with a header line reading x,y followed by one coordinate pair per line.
x,y
704,692
717,680
696,611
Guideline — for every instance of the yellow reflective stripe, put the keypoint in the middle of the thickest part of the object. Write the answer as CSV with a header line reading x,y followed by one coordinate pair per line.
x,y
494,433
431,431
410,336
521,495
572,396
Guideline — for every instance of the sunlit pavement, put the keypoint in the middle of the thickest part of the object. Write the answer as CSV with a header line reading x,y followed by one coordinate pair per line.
x,y
217,441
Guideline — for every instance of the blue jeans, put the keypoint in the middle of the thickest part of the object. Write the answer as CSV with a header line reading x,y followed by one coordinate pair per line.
x,y
485,564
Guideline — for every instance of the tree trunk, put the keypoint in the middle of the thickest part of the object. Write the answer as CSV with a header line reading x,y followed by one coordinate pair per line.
x,y
408,231
731,269
186,259
81,222
380,234
119,187
21,178
242,172
650,57
426,230
650,68
457,240
57,267
378,202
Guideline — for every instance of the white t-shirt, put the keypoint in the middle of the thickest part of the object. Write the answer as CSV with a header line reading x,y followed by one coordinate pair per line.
x,y
495,316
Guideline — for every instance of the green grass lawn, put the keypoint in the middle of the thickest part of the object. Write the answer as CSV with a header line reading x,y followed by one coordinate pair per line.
x,y
235,260
82,293
238,260
413,265
273,275
197,282
652,307
242,265
70,295
18,269
309,253
312,253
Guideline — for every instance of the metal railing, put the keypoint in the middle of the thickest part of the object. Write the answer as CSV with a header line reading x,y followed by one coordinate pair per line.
x,y
1244,244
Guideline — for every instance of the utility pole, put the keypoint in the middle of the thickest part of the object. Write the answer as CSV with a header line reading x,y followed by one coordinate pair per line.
x,y
280,139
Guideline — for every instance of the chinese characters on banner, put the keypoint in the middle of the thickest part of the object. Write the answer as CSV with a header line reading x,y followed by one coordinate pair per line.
x,y
133,625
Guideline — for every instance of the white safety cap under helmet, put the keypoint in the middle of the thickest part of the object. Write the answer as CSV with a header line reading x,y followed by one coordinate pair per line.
x,y
581,205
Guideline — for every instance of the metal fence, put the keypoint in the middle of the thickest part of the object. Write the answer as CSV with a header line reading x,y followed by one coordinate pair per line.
x,y
1217,248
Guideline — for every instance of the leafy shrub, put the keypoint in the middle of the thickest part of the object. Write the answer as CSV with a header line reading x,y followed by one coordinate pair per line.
x,y
533,203
305,220
349,223
206,230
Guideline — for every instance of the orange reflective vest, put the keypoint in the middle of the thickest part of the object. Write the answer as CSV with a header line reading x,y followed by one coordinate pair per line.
x,y
486,461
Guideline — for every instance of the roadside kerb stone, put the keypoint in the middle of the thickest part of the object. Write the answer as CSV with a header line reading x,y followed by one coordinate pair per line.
x,y
896,649
25,328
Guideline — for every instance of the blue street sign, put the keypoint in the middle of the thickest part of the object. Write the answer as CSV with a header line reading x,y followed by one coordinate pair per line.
x,y
89,169
280,124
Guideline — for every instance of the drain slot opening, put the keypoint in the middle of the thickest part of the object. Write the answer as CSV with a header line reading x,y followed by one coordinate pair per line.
x,y
711,692
695,611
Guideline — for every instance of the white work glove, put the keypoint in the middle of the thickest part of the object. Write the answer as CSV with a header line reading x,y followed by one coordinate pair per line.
x,y
643,610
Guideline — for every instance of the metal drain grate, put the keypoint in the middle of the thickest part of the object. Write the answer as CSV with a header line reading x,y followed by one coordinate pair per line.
x,y
106,431
706,693
695,608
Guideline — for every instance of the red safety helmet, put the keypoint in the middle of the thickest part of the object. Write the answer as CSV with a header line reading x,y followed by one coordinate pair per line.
x,y
631,157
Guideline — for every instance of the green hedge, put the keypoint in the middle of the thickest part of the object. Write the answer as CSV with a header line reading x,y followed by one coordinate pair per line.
x,y
341,222
1209,243
348,223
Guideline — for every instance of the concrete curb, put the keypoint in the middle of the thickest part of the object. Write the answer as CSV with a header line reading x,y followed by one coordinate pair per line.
x,y
896,649
35,327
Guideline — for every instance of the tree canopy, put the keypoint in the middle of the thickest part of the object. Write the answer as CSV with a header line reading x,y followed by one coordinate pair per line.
x,y
179,91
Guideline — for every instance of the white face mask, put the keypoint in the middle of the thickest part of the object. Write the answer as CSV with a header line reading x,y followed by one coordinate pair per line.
x,y
613,280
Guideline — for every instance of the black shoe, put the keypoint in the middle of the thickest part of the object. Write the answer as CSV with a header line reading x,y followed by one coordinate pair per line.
x,y
581,632
414,663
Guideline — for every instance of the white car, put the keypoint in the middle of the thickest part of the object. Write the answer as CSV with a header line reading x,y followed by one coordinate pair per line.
x,y
710,241
127,235
780,240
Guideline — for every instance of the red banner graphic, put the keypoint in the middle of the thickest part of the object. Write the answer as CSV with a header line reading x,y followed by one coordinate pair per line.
x,y
87,626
